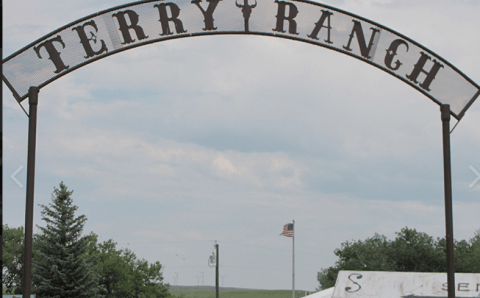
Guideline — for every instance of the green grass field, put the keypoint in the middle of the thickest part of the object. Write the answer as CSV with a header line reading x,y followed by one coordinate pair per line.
x,y
200,293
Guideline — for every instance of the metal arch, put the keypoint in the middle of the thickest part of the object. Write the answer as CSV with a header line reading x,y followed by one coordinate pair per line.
x,y
458,114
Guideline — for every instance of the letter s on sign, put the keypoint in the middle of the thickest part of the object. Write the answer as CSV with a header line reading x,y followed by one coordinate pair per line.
x,y
349,289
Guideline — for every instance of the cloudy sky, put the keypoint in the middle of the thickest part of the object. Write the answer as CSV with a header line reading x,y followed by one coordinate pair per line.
x,y
171,146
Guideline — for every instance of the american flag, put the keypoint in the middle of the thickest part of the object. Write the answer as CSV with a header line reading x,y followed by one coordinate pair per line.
x,y
287,230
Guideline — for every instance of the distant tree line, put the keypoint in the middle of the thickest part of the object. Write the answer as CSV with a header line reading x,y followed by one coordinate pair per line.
x,y
411,251
69,264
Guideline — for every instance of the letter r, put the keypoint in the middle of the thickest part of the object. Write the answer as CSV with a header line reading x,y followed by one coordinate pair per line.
x,y
124,27
281,17
164,18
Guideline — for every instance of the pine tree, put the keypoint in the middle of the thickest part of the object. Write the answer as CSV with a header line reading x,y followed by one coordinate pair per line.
x,y
61,266
12,263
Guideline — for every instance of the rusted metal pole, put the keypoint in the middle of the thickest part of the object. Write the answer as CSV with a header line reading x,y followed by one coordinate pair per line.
x,y
217,285
447,173
32,136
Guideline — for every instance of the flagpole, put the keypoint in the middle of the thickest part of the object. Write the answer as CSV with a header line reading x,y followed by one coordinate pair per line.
x,y
289,231
293,261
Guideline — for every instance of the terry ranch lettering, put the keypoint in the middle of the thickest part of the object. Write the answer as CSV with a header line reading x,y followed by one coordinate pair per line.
x,y
130,28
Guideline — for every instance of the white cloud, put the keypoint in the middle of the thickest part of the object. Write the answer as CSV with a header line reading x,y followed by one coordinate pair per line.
x,y
224,165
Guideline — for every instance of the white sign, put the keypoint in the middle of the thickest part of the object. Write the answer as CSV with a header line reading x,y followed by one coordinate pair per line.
x,y
374,284
140,23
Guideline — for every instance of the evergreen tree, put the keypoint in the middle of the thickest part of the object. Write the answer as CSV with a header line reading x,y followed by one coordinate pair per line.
x,y
61,266
12,265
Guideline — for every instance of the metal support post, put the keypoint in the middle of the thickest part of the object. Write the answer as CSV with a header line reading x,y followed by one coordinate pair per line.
x,y
217,290
447,170
32,132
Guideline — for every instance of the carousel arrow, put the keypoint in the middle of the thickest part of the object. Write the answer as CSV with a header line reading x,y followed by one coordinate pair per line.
x,y
478,177
15,179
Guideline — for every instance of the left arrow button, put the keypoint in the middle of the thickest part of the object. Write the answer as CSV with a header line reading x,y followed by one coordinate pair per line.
x,y
15,179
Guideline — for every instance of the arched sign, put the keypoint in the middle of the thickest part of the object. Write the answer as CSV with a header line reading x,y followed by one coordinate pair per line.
x,y
140,23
